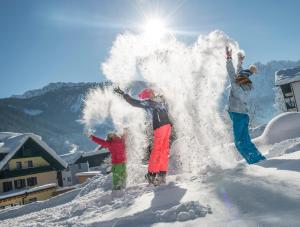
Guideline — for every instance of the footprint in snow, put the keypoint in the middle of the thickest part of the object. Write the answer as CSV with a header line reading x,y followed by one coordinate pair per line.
x,y
183,212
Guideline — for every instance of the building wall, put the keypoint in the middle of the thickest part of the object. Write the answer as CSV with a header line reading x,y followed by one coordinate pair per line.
x,y
296,88
37,162
67,177
22,199
71,172
78,168
42,179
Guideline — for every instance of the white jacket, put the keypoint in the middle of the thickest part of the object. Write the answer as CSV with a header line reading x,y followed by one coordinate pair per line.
x,y
239,95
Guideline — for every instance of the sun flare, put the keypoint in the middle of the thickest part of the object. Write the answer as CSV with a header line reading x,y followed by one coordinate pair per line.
x,y
155,28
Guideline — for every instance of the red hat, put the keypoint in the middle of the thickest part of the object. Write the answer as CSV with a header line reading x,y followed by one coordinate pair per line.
x,y
146,94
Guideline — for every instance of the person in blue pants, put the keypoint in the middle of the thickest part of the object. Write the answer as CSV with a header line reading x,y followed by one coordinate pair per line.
x,y
241,86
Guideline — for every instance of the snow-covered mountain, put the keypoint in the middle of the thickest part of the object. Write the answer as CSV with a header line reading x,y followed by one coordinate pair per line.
x,y
49,88
51,112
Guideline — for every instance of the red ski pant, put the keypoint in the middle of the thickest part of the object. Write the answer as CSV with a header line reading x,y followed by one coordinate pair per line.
x,y
159,157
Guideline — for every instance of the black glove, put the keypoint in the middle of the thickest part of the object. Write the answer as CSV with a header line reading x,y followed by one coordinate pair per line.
x,y
119,91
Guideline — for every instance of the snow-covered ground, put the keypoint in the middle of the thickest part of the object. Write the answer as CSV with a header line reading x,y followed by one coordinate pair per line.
x,y
266,194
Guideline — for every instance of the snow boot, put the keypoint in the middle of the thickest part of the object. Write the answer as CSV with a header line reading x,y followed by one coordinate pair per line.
x,y
259,159
161,177
150,177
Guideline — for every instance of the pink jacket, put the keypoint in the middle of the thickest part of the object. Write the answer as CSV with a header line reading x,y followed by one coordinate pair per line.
x,y
116,148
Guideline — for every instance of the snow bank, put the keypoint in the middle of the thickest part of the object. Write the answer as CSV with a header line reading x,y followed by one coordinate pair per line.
x,y
103,182
281,148
284,126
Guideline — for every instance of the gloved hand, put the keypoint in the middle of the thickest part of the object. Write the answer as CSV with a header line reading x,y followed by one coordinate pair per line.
x,y
241,57
119,91
88,134
228,53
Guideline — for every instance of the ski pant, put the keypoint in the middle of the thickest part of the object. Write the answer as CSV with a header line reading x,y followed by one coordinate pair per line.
x,y
119,176
242,138
159,157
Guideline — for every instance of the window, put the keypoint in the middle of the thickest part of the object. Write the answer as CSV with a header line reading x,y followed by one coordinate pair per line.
x,y
79,165
31,181
30,164
289,98
19,165
69,179
287,90
7,186
31,200
19,183
290,103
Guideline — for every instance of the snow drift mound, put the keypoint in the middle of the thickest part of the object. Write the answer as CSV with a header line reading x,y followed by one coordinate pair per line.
x,y
283,127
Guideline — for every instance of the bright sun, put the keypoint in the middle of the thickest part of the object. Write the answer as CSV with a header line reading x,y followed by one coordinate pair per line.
x,y
155,28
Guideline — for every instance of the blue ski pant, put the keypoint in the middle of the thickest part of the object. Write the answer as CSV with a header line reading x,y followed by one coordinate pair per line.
x,y
242,138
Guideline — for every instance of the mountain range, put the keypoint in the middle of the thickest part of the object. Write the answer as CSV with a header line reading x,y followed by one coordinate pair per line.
x,y
54,111
51,112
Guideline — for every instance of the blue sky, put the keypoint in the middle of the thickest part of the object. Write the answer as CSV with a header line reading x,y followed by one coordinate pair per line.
x,y
66,40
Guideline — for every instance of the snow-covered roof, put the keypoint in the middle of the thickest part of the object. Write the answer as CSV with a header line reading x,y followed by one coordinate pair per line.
x,y
10,143
72,157
287,76
95,152
90,173
23,191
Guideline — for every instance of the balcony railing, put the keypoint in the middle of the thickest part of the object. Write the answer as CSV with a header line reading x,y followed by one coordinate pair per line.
x,y
23,172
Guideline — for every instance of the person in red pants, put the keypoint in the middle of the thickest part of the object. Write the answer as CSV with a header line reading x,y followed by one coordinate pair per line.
x,y
159,157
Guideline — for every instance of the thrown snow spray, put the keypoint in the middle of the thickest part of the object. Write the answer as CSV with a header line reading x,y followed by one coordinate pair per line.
x,y
193,79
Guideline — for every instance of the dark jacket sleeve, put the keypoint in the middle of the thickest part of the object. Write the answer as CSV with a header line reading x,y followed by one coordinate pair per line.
x,y
136,103
100,141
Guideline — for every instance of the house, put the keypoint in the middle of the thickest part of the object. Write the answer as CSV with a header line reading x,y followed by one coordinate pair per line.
x,y
97,160
69,174
289,82
29,169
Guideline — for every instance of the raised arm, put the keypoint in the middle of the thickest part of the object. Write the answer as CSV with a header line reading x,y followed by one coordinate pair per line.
x,y
135,102
241,58
132,101
100,141
229,65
